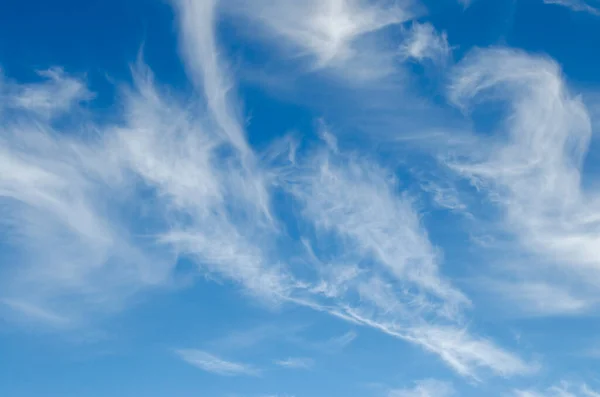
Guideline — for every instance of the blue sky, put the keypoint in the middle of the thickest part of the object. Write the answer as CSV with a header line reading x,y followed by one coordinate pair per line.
x,y
281,198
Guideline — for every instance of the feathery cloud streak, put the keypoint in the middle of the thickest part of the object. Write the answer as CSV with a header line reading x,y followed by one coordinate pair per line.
x,y
564,389
296,363
345,36
534,171
577,5
425,388
216,365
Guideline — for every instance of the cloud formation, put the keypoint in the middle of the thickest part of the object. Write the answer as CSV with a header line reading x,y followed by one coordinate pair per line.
x,y
342,35
216,365
96,214
564,389
424,43
533,170
577,5
101,213
296,363
425,388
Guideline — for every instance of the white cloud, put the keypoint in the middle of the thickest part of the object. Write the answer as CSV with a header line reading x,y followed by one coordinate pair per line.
x,y
178,156
256,336
359,206
208,71
206,68
338,34
61,194
55,95
340,342
35,313
443,192
423,42
360,217
563,389
534,171
70,214
425,388
539,298
526,393
466,353
577,5
216,365
588,392
296,363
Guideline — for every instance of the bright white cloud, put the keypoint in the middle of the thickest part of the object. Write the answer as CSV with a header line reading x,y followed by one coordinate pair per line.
x,y
360,216
209,72
68,201
338,34
55,95
534,171
216,365
360,205
466,353
424,43
62,195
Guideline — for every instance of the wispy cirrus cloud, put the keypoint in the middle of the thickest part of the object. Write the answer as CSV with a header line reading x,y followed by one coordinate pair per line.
x,y
340,342
401,292
35,314
424,388
214,364
341,35
539,298
533,172
366,222
61,192
67,200
366,216
296,363
577,5
57,93
563,389
424,43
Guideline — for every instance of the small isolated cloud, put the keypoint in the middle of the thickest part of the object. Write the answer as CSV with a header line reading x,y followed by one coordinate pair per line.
x,y
577,5
296,363
424,388
57,94
424,43
35,314
216,365
563,389
340,342
539,298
